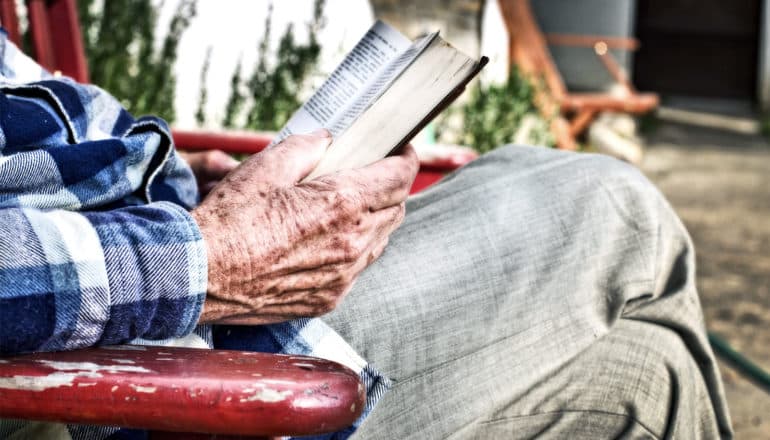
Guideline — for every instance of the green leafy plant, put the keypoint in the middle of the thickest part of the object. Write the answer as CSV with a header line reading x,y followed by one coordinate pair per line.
x,y
495,114
203,93
126,56
272,92
237,97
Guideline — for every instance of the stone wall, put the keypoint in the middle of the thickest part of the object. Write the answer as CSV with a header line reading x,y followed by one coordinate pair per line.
x,y
458,20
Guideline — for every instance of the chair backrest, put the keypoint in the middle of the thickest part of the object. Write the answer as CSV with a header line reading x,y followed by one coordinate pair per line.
x,y
55,33
528,48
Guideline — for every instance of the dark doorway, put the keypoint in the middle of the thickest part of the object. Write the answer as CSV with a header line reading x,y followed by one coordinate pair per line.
x,y
706,48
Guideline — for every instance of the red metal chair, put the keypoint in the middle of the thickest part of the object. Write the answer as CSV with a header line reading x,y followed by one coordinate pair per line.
x,y
175,389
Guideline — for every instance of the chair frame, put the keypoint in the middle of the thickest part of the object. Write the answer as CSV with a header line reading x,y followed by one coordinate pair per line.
x,y
570,113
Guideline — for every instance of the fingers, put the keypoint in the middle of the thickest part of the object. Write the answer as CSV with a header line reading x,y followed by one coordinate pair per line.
x,y
294,158
384,183
309,303
217,164
209,165
337,275
388,219
375,252
402,166
316,300
206,188
392,178
339,268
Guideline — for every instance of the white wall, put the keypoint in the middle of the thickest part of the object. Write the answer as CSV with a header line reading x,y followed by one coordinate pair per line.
x,y
494,43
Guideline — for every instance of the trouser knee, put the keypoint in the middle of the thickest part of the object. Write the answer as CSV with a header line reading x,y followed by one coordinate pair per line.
x,y
639,381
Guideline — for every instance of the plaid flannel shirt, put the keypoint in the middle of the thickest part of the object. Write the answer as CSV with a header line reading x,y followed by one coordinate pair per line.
x,y
96,242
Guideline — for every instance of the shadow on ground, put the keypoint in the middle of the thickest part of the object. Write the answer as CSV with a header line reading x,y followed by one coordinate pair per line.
x,y
719,183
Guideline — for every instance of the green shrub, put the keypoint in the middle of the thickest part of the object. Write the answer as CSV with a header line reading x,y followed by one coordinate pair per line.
x,y
494,114
271,93
127,58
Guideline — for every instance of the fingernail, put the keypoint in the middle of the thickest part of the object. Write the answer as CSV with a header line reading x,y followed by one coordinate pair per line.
x,y
321,132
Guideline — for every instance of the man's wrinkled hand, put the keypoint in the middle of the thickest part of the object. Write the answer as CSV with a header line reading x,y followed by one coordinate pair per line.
x,y
279,249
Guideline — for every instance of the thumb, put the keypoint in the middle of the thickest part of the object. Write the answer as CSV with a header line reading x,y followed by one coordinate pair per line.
x,y
295,157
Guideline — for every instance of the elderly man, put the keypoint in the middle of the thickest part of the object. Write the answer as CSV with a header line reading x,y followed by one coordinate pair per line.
x,y
533,293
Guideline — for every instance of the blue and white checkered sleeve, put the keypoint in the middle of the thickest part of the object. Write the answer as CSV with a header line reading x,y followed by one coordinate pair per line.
x,y
75,279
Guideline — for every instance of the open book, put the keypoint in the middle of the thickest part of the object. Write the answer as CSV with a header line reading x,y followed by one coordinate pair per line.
x,y
384,91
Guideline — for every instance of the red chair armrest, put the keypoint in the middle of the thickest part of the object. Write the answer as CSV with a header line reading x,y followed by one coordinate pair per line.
x,y
236,142
244,142
182,389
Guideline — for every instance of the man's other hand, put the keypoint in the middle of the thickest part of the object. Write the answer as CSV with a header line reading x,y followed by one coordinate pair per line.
x,y
209,167
279,249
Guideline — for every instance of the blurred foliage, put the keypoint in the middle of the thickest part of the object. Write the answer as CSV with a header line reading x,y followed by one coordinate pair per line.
x,y
494,115
764,124
126,56
271,94
237,97
203,94
648,123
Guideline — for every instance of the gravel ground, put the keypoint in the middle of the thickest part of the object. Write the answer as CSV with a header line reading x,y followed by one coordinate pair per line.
x,y
719,183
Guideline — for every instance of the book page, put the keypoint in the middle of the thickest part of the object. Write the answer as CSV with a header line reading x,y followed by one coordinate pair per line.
x,y
369,58
378,86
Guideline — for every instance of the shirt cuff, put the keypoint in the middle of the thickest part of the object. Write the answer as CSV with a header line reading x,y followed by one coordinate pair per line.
x,y
157,271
